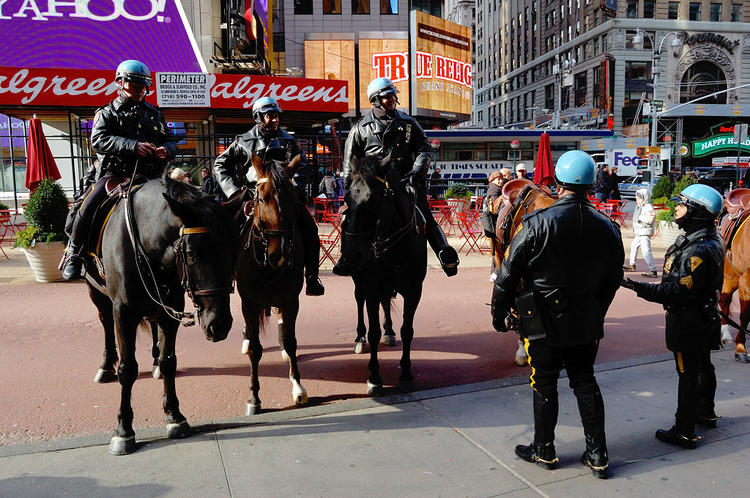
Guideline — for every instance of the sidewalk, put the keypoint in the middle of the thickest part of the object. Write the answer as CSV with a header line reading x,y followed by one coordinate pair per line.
x,y
454,441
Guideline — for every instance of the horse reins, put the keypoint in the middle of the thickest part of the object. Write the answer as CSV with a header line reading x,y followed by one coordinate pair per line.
x,y
261,234
381,245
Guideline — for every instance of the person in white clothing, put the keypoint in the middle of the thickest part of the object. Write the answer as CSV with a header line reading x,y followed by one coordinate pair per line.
x,y
644,217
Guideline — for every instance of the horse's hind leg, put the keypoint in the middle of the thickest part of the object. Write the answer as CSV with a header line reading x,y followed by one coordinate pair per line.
x,y
123,441
155,349
103,303
728,288
177,426
374,382
411,301
288,342
389,336
360,343
740,346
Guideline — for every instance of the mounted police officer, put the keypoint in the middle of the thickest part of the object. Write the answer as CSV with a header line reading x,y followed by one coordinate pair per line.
x,y
689,290
129,137
237,176
569,258
386,132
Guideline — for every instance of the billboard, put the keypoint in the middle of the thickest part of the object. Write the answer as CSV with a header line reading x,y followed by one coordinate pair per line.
x,y
441,67
331,60
85,34
384,58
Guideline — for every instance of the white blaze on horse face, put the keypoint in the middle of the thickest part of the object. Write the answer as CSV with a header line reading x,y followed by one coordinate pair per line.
x,y
362,193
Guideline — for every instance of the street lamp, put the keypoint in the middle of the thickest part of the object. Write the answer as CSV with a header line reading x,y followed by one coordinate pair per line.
x,y
676,46
515,144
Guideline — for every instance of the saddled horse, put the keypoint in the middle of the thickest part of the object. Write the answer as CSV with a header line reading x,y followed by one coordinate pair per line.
x,y
392,255
389,336
163,240
736,233
270,270
520,197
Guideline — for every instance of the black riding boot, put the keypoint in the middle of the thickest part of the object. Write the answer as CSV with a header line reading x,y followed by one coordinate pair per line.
x,y
73,261
446,254
311,246
706,391
591,408
542,450
345,266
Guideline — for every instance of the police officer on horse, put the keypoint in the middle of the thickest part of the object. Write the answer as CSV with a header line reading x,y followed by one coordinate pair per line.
x,y
236,175
689,290
568,257
389,133
129,137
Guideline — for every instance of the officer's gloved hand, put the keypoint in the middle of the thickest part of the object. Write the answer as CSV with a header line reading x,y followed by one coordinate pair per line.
x,y
500,320
629,283
414,176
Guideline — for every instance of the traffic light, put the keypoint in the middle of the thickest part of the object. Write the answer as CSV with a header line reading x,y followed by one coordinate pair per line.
x,y
643,162
641,152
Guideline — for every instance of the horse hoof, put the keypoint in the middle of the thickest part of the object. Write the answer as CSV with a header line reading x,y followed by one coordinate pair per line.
x,y
374,389
300,398
104,376
119,445
360,347
388,340
252,409
245,346
156,372
741,357
726,336
178,431
284,356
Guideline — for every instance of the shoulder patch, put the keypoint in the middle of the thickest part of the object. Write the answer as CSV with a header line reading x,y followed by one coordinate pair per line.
x,y
668,264
695,262
687,281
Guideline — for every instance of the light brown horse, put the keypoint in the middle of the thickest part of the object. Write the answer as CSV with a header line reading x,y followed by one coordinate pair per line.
x,y
736,268
519,197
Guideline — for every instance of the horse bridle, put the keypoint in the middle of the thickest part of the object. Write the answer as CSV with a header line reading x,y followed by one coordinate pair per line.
x,y
381,245
261,235
523,200
180,249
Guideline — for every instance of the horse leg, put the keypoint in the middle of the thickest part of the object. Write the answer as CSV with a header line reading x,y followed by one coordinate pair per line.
x,y
288,342
729,286
177,426
411,301
123,440
740,353
255,352
156,348
521,359
103,303
374,382
360,343
389,336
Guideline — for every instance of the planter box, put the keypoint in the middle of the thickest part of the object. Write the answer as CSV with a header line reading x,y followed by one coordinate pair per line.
x,y
43,259
458,205
669,231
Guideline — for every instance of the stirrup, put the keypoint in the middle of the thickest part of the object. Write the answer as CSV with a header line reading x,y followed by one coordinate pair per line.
x,y
448,258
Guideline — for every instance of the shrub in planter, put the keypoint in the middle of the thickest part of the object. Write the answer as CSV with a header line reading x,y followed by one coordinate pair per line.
x,y
3,207
459,191
45,216
663,188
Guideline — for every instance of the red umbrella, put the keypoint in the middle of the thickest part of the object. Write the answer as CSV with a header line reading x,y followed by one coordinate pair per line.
x,y
544,170
40,163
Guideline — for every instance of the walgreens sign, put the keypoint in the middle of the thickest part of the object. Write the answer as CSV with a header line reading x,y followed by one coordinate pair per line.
x,y
76,88
97,34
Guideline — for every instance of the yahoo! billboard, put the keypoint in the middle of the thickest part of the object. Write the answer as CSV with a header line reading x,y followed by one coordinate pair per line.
x,y
97,34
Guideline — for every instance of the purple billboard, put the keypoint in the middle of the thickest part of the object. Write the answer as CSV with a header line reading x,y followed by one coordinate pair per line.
x,y
97,34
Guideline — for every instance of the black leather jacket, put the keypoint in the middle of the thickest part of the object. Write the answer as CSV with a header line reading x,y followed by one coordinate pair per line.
x,y
118,127
404,139
689,290
574,250
233,169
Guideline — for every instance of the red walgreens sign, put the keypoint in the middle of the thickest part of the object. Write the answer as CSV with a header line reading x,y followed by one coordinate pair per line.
x,y
83,88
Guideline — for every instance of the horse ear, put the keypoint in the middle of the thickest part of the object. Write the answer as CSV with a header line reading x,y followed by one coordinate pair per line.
x,y
179,209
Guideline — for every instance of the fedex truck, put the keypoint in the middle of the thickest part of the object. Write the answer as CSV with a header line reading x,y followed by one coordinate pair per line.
x,y
626,161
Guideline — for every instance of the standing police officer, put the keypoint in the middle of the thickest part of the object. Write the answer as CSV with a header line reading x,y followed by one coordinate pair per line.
x,y
569,257
385,132
689,290
235,174
129,136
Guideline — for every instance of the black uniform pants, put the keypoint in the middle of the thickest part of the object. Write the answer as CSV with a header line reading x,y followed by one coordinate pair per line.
x,y
696,388
85,214
310,241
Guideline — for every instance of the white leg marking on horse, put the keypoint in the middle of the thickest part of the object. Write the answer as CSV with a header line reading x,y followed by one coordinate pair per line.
x,y
726,334
299,393
284,355
245,346
521,357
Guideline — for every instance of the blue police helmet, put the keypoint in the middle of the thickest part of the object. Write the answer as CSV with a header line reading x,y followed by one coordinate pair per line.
x,y
263,106
575,168
700,195
380,87
135,71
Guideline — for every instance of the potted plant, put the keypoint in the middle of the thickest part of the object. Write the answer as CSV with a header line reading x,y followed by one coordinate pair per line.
x,y
667,227
43,239
458,195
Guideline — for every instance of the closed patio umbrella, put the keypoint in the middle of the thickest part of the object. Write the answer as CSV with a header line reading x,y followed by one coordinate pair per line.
x,y
40,163
544,170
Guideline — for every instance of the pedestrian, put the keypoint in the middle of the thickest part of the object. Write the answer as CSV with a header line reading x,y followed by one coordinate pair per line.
x,y
569,257
236,176
691,281
507,174
603,185
209,185
490,207
178,174
130,138
409,153
521,171
436,174
328,185
644,218
614,187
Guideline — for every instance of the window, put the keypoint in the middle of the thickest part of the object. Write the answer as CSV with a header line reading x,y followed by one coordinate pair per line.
x,y
580,89
716,12
648,9
630,33
549,96
694,13
736,12
595,86
303,7
673,10
637,79
388,7
331,6
631,11
360,6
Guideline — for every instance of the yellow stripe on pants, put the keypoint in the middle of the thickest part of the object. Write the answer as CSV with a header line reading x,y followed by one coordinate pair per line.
x,y
680,366
526,344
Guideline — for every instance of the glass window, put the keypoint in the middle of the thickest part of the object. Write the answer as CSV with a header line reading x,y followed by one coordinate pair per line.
x,y
736,12
388,7
360,6
303,7
580,89
549,96
630,33
695,11
595,86
631,11
331,6
648,9
674,10
716,12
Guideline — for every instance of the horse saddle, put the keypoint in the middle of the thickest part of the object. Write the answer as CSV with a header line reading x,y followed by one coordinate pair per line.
x,y
737,203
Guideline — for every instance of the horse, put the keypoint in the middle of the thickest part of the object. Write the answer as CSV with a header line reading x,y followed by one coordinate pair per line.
x,y
270,271
519,197
389,336
161,241
736,269
392,255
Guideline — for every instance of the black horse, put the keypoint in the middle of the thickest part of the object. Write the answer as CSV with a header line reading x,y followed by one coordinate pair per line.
x,y
270,270
389,336
165,239
393,254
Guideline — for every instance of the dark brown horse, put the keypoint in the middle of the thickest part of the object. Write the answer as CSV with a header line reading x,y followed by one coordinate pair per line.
x,y
519,197
270,271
